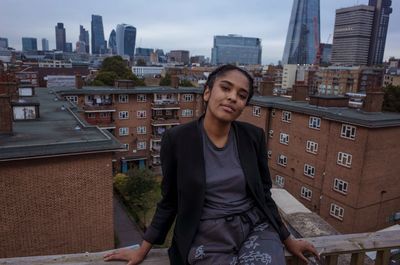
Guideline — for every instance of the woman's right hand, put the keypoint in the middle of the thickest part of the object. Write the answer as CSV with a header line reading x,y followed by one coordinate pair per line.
x,y
133,256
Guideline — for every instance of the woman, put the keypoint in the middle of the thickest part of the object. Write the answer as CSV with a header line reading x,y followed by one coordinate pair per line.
x,y
216,184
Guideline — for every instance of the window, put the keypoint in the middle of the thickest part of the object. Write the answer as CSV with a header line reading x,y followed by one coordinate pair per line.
x,y
123,131
271,133
340,185
141,114
168,112
105,114
91,115
141,98
348,132
282,160
312,147
306,193
187,113
256,111
286,116
73,99
314,123
336,211
280,181
126,146
141,145
187,97
269,154
159,112
141,130
123,98
344,159
284,138
309,170
123,115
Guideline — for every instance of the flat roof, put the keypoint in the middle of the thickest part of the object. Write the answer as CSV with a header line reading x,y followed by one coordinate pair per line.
x,y
340,114
54,133
102,90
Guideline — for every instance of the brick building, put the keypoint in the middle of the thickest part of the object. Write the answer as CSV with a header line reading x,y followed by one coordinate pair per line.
x,y
137,117
55,179
341,163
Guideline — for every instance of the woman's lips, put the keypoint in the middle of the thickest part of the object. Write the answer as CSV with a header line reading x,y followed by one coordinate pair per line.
x,y
228,108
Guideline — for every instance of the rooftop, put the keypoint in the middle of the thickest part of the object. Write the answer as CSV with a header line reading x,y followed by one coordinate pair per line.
x,y
88,90
58,131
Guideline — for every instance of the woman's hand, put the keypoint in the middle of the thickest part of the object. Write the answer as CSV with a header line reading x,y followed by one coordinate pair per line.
x,y
297,247
133,256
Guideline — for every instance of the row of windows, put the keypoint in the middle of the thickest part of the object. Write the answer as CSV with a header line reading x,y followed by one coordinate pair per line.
x,y
311,146
92,115
124,98
141,114
123,131
141,145
343,159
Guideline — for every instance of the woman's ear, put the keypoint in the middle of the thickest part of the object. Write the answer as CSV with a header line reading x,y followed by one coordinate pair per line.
x,y
206,94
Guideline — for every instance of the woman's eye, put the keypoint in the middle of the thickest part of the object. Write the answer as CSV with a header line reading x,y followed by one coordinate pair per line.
x,y
242,96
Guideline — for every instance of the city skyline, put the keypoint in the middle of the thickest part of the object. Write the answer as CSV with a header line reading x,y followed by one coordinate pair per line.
x,y
163,24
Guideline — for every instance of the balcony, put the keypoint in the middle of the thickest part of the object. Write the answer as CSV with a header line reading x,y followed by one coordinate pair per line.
x,y
337,249
165,104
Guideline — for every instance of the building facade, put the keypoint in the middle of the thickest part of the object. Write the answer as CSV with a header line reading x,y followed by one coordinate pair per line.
x,y
235,49
179,56
126,40
4,43
60,37
84,37
45,44
303,36
98,42
352,35
29,44
112,42
379,31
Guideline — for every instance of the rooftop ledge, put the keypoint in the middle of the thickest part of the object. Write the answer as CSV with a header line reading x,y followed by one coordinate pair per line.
x,y
332,249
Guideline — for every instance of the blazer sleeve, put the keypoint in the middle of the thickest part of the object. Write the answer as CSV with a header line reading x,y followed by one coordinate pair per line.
x,y
167,207
267,185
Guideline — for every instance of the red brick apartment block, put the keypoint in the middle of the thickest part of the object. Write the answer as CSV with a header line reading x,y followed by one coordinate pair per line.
x,y
55,182
341,163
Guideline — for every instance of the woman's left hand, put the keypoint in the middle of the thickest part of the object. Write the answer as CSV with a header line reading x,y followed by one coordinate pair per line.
x,y
297,247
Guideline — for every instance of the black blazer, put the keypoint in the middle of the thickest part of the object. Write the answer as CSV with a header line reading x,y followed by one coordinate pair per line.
x,y
183,184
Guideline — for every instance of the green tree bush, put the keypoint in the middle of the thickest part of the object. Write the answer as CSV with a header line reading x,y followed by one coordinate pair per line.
x,y
391,101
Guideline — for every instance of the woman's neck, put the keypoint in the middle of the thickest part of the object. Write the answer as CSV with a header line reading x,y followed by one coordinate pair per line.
x,y
217,131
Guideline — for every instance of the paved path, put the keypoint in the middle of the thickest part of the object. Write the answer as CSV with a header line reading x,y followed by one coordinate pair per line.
x,y
127,231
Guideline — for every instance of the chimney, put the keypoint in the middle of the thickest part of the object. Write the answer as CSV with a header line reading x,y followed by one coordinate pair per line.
x,y
266,87
5,115
373,101
299,91
78,81
174,81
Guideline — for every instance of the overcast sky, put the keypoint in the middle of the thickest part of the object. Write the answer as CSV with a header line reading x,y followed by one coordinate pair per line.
x,y
175,24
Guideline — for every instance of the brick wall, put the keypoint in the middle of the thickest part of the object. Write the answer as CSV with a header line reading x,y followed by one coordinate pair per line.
x,y
56,205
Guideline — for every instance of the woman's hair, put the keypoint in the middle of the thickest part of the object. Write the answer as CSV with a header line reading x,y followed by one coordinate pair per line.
x,y
222,70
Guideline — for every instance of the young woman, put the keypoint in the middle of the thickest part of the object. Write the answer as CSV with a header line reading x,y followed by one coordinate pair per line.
x,y
216,184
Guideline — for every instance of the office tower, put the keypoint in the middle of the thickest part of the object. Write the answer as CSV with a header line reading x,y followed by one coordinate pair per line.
x,y
352,35
84,37
45,44
143,54
126,39
379,30
68,47
179,56
303,36
98,40
60,37
80,47
326,53
112,42
236,49
29,44
4,43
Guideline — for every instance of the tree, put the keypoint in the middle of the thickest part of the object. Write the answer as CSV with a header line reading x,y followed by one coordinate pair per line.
x,y
166,80
391,101
185,83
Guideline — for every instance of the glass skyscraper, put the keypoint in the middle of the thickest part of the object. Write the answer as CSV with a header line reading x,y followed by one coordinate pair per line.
x,y
379,31
112,42
236,49
98,41
60,37
84,37
126,40
45,44
303,36
29,44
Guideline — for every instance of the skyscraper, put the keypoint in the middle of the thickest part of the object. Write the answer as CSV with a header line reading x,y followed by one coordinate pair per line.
x,y
352,35
84,37
112,42
126,39
4,43
236,49
379,30
45,44
98,41
29,44
303,36
60,37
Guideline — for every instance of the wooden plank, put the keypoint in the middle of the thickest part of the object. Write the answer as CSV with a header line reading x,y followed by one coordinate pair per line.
x,y
331,259
357,258
382,257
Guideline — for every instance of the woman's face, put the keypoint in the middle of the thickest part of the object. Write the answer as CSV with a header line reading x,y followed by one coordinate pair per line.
x,y
228,96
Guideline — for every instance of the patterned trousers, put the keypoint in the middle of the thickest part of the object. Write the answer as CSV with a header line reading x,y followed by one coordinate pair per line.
x,y
244,239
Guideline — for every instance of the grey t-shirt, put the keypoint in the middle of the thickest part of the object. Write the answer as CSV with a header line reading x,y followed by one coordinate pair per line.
x,y
225,181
